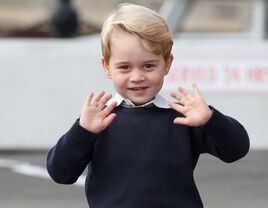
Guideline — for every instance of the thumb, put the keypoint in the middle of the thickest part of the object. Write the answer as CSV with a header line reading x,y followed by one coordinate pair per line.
x,y
108,120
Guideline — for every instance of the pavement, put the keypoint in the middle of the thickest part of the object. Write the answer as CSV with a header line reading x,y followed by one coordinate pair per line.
x,y
25,183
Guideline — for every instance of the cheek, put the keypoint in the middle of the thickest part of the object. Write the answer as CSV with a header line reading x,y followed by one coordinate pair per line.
x,y
156,79
119,81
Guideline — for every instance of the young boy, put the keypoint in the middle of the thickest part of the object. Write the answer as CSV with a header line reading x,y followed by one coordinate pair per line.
x,y
140,150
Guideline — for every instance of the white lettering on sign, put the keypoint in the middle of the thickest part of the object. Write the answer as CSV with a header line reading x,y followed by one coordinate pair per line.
x,y
219,75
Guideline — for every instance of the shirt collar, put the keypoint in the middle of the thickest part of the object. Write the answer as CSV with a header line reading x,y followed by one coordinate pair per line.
x,y
158,101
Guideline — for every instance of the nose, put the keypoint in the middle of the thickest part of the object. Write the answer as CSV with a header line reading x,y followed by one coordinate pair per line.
x,y
137,76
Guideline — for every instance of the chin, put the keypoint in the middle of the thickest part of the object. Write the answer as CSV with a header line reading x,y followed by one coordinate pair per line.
x,y
141,102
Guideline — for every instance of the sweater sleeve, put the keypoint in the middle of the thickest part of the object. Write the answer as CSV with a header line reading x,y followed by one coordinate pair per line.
x,y
67,160
223,137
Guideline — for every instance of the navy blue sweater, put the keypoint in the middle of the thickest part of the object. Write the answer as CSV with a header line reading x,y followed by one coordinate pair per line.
x,y
143,160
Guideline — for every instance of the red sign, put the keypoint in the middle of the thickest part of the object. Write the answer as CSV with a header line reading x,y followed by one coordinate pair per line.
x,y
219,75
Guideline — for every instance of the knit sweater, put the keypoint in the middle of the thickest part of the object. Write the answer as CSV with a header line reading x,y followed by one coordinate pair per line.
x,y
143,159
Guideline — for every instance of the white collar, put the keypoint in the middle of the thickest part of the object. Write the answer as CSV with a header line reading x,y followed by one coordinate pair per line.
x,y
158,101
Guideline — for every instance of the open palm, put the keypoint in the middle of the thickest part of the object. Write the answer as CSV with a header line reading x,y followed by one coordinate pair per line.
x,y
95,116
194,108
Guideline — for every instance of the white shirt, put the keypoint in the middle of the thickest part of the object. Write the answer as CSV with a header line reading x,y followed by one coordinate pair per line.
x,y
158,101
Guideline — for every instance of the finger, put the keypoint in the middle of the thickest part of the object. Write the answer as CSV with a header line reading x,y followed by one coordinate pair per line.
x,y
181,120
179,98
104,101
89,98
184,92
175,95
108,120
178,107
109,109
196,90
96,99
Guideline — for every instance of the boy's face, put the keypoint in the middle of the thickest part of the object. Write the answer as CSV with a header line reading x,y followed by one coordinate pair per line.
x,y
137,73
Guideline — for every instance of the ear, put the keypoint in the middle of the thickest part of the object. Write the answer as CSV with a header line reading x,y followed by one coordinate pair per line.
x,y
106,68
169,61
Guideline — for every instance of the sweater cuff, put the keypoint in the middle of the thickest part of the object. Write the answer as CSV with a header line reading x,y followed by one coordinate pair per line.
x,y
79,135
215,118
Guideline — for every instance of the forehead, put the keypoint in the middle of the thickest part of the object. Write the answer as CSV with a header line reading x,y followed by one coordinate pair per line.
x,y
125,44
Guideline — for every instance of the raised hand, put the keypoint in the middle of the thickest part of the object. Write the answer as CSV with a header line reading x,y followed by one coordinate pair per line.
x,y
194,108
95,117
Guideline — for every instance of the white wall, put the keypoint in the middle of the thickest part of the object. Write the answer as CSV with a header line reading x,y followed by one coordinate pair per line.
x,y
43,84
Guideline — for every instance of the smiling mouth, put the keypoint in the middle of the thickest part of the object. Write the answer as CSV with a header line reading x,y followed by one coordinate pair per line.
x,y
138,88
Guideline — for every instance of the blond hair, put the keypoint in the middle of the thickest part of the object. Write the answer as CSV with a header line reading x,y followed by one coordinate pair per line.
x,y
141,22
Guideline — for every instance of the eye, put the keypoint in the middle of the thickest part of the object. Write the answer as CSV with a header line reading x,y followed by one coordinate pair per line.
x,y
124,67
149,66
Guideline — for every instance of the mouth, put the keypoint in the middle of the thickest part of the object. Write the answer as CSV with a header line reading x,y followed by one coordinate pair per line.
x,y
137,89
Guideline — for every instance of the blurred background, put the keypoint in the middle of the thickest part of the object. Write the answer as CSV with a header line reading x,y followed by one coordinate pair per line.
x,y
50,58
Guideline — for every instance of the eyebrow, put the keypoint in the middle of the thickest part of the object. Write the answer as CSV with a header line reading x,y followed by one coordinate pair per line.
x,y
146,61
153,60
121,63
